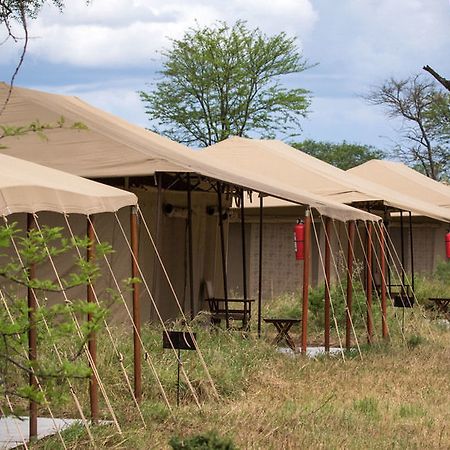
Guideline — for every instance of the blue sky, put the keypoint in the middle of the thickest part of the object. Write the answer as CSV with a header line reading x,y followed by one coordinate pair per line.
x,y
107,51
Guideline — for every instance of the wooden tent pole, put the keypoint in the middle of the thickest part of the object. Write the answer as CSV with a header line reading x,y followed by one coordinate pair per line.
x,y
402,250
384,328
349,297
244,259
261,209
136,305
223,253
369,284
327,282
92,344
306,266
32,339
190,247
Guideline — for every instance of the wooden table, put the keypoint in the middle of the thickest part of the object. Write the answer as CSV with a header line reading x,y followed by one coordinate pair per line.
x,y
283,326
442,305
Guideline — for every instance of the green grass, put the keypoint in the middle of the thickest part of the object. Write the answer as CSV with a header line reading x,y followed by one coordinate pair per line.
x,y
395,396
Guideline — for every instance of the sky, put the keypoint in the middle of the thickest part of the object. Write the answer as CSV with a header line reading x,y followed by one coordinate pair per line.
x,y
108,50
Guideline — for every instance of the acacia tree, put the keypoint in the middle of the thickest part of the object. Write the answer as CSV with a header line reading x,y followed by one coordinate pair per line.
x,y
344,155
226,80
425,122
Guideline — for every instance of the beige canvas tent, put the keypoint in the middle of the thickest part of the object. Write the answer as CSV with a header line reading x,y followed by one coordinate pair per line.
x,y
56,196
403,179
321,178
332,183
429,246
85,141
28,187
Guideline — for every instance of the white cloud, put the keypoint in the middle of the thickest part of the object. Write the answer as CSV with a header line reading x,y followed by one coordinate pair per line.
x,y
123,33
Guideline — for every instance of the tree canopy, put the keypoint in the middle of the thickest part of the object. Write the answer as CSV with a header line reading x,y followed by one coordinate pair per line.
x,y
424,111
344,155
226,80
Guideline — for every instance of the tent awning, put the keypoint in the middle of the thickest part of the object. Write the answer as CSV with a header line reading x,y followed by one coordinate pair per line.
x,y
28,187
281,163
403,179
112,147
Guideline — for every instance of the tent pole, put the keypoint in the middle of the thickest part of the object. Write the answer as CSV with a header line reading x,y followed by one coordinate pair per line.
x,y
158,214
411,244
327,281
261,208
191,258
369,285
223,253
402,249
384,329
32,339
92,344
306,264
136,305
349,297
244,259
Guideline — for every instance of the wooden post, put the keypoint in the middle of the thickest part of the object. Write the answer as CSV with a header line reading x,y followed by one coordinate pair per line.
x,y
32,340
349,298
244,258
223,254
306,264
402,251
327,282
384,328
136,305
92,344
261,208
369,283
190,247
411,245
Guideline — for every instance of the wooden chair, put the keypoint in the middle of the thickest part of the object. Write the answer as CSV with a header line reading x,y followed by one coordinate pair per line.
x,y
231,310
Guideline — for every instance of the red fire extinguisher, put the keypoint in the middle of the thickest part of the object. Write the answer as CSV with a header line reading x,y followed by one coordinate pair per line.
x,y
447,244
299,240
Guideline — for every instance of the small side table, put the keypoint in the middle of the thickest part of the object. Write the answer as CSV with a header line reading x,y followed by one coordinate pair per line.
x,y
442,304
283,327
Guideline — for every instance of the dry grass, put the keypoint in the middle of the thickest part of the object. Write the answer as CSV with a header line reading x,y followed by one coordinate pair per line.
x,y
397,396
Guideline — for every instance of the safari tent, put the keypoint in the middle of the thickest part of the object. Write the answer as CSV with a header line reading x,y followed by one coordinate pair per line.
x,y
180,190
279,218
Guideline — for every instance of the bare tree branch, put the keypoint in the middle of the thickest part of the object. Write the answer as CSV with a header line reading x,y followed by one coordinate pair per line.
x,y
442,80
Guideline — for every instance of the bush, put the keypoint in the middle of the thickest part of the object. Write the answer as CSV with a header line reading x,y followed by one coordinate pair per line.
x,y
207,441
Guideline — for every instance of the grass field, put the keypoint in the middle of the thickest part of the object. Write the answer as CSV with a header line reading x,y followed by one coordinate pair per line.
x,y
397,395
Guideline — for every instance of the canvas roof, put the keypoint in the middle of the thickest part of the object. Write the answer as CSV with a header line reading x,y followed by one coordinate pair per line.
x,y
28,187
278,161
401,178
111,146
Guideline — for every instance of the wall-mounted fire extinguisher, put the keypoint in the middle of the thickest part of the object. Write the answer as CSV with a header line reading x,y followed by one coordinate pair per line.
x,y
447,244
299,240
